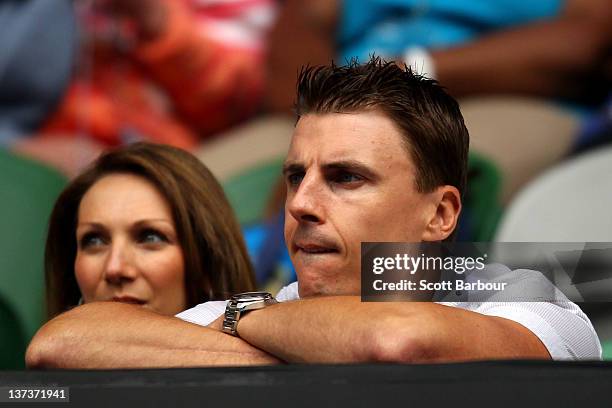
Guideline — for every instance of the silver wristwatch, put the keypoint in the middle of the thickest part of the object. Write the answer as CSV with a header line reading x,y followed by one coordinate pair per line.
x,y
241,303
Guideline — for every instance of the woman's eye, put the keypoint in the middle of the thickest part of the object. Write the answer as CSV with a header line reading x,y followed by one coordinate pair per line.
x,y
152,237
91,240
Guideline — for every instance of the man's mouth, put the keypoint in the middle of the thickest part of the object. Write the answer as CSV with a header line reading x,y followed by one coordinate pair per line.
x,y
129,300
314,249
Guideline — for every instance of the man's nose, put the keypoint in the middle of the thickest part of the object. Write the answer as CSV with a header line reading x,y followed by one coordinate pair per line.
x,y
120,266
306,203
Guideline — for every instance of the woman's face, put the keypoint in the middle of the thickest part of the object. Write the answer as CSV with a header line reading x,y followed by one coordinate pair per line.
x,y
127,246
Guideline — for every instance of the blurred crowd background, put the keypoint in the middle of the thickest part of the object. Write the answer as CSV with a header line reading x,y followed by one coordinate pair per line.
x,y
217,77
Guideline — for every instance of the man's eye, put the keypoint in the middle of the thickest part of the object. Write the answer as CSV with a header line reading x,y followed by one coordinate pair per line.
x,y
91,240
295,179
347,177
152,237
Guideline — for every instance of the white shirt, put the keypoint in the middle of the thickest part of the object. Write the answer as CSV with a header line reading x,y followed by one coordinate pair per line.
x,y
562,327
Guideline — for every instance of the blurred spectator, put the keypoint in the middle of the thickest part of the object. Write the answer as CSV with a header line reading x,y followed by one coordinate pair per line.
x,y
168,71
33,32
548,48
549,60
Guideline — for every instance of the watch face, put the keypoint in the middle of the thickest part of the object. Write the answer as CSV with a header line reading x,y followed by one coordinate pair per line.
x,y
251,296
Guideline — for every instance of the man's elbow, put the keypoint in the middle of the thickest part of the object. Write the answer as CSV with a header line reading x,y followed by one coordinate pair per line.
x,y
396,343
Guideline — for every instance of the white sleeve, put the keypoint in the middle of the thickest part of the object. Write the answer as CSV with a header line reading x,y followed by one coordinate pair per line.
x,y
204,313
562,327
289,292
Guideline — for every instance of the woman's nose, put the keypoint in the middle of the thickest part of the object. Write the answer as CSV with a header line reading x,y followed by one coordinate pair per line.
x,y
120,264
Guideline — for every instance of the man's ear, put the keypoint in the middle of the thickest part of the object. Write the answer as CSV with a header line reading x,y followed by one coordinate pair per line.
x,y
444,217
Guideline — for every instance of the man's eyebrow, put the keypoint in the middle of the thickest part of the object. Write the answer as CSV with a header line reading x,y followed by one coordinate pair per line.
x,y
292,167
346,165
353,166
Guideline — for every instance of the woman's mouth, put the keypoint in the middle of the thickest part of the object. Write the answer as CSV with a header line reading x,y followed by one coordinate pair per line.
x,y
129,300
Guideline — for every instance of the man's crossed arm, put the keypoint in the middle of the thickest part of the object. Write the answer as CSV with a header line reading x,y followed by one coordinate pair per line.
x,y
317,330
344,329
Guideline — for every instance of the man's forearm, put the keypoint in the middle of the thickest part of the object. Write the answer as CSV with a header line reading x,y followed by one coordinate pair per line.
x,y
111,335
306,331
343,329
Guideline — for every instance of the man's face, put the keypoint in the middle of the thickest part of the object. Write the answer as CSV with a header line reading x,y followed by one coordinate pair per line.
x,y
349,179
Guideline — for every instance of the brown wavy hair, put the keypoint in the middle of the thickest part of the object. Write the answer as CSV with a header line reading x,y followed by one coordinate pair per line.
x,y
216,260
